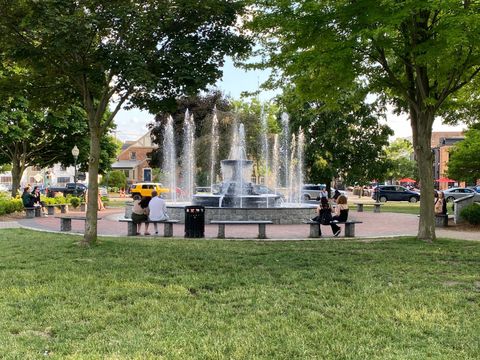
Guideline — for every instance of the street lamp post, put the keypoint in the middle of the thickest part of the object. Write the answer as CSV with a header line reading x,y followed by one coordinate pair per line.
x,y
75,153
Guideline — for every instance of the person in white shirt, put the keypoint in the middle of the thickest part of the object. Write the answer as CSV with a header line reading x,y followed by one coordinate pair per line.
x,y
157,209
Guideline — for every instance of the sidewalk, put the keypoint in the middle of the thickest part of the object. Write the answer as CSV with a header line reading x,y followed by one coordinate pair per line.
x,y
375,225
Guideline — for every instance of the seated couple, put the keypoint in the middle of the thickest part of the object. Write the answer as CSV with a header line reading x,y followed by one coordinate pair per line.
x,y
325,216
32,199
146,209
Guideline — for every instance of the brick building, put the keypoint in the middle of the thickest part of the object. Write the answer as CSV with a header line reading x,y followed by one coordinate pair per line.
x,y
133,160
441,144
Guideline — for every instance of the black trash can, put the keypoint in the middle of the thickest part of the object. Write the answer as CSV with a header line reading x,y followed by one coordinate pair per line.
x,y
194,221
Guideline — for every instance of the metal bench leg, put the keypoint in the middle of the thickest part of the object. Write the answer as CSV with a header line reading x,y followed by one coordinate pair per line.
x,y
51,210
63,209
29,213
131,229
359,207
262,233
314,230
376,208
167,230
221,231
65,224
349,230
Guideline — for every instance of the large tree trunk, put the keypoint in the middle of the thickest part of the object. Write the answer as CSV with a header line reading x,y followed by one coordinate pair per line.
x,y
17,173
422,133
18,167
90,236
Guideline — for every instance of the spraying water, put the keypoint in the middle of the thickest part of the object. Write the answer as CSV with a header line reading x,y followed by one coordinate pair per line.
x,y
188,155
169,158
275,162
214,148
265,147
284,179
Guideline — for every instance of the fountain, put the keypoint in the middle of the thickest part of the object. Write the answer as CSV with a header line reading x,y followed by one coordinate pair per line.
x,y
236,198
236,190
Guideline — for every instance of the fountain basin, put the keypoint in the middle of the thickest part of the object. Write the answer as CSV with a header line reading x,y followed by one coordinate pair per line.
x,y
278,215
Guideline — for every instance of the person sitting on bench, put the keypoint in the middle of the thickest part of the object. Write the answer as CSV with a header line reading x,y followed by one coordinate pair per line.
x,y
440,204
140,214
324,214
37,201
158,210
340,214
28,199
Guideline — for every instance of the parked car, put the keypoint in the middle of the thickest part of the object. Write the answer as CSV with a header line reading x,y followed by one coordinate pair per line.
x,y
145,189
68,189
476,188
312,191
386,193
263,189
458,193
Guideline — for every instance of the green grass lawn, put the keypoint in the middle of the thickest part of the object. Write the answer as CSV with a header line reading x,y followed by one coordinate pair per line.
x,y
211,299
390,206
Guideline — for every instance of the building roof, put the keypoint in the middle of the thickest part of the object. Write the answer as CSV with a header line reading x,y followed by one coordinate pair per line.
x,y
126,164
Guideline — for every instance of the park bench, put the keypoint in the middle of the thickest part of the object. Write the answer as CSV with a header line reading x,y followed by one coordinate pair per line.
x,y
349,227
66,221
31,212
51,208
261,226
376,206
441,220
167,226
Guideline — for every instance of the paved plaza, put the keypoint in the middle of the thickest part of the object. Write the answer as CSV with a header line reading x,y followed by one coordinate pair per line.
x,y
375,225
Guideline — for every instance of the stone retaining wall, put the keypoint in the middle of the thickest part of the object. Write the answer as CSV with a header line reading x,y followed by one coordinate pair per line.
x,y
276,215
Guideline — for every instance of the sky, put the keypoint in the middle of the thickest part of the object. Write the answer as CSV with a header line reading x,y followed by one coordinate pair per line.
x,y
132,124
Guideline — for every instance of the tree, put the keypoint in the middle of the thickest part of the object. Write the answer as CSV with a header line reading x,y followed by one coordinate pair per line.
x,y
42,138
401,164
345,144
132,53
464,160
115,178
201,106
415,55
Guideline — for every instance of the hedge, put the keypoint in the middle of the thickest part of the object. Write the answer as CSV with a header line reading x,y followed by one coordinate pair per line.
x,y
8,206
471,213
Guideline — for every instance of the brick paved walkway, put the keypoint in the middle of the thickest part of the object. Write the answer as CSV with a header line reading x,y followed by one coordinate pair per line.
x,y
374,225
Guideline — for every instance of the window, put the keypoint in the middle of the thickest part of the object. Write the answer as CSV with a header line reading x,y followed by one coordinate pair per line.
x,y
63,179
133,155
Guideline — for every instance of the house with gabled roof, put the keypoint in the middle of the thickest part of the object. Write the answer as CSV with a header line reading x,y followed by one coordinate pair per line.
x,y
134,159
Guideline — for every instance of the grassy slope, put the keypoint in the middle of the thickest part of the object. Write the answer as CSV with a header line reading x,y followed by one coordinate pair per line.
x,y
131,298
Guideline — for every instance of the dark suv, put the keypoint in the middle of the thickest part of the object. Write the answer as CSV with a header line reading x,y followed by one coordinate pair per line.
x,y
385,193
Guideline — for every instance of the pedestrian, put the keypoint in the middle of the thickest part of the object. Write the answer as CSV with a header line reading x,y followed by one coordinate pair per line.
x,y
340,214
158,209
140,214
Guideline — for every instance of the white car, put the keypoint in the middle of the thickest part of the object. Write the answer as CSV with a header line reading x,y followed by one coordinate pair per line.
x,y
458,193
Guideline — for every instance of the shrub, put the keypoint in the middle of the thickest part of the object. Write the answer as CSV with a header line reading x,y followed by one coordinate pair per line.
x,y
10,206
471,213
75,201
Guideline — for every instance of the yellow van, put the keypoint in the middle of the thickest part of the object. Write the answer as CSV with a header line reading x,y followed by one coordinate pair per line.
x,y
145,189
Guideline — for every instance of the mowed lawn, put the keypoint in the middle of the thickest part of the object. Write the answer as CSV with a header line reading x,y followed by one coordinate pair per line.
x,y
199,299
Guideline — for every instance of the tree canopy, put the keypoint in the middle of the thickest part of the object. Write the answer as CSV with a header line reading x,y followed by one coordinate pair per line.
x,y
130,53
415,55
400,160
464,161
346,144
